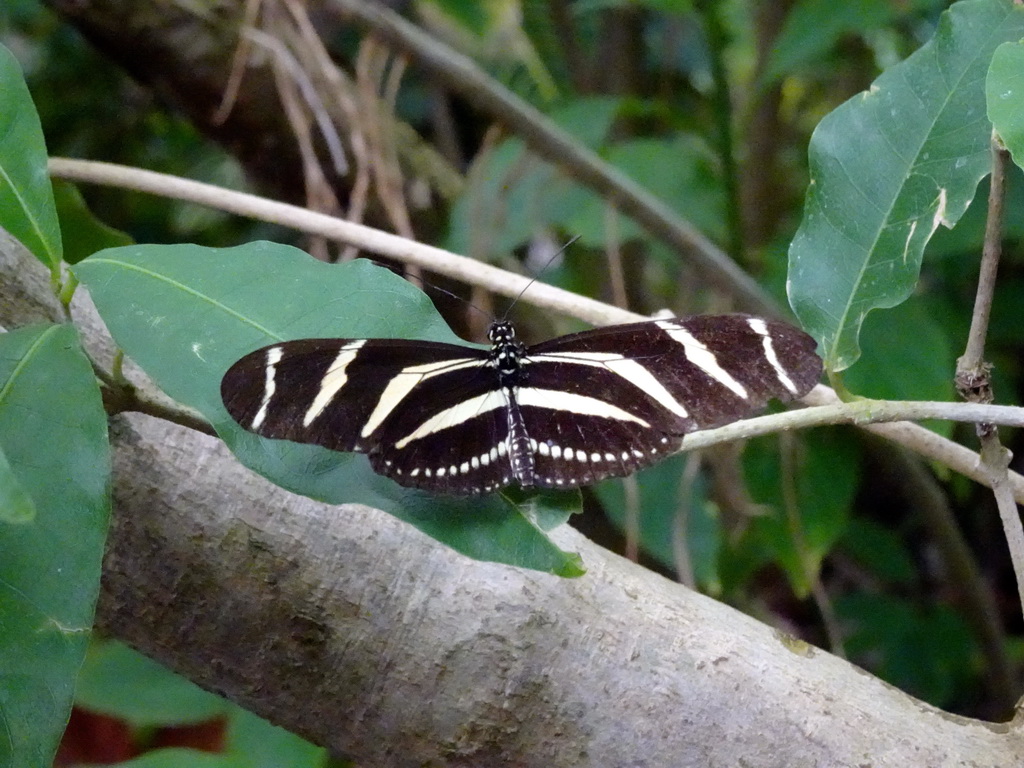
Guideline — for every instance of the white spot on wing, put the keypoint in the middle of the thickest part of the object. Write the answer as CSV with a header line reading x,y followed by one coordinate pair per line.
x,y
335,378
274,355
698,354
759,327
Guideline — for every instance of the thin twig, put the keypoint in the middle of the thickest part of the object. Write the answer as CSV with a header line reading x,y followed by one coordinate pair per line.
x,y
973,373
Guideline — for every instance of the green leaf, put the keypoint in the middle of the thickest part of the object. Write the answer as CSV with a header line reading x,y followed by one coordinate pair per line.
x,y
27,210
679,170
120,682
53,431
82,233
185,313
887,167
267,746
1004,91
880,550
512,194
16,505
799,536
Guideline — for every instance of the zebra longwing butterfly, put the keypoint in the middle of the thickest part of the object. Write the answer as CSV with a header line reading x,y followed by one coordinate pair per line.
x,y
559,414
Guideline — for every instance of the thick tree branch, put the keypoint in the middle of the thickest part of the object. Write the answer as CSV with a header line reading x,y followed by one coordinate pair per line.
x,y
340,623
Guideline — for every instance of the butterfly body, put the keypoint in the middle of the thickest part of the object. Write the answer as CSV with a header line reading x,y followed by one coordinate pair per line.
x,y
566,412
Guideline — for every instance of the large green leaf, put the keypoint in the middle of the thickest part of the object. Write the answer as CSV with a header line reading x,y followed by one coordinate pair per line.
x,y
27,210
53,431
887,167
1004,89
185,313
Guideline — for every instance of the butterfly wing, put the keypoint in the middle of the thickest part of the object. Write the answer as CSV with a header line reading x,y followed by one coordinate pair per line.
x,y
609,401
398,401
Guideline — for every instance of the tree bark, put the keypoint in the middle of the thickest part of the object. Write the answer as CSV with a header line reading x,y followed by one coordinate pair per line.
x,y
361,634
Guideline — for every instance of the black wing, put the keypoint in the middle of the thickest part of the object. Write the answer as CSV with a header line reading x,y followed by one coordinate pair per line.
x,y
607,402
429,415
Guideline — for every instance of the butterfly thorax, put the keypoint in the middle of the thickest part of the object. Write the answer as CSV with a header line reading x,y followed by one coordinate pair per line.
x,y
506,354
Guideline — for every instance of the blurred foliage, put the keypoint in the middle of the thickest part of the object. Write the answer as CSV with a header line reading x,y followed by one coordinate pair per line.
x,y
799,526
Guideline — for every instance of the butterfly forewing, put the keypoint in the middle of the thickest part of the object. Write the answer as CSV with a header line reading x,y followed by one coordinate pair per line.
x,y
570,411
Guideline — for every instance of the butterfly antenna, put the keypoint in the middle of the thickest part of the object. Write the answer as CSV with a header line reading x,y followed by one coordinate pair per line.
x,y
424,284
540,272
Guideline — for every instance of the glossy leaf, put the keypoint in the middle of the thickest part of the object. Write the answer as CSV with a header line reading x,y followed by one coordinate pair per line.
x,y
1004,89
27,210
53,431
185,313
887,167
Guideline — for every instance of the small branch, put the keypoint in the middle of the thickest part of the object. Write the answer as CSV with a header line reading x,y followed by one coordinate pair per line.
x,y
973,373
120,396
973,357
365,238
869,415
859,412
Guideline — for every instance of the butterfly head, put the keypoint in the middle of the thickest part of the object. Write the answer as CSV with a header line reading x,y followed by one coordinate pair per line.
x,y
501,333
506,352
